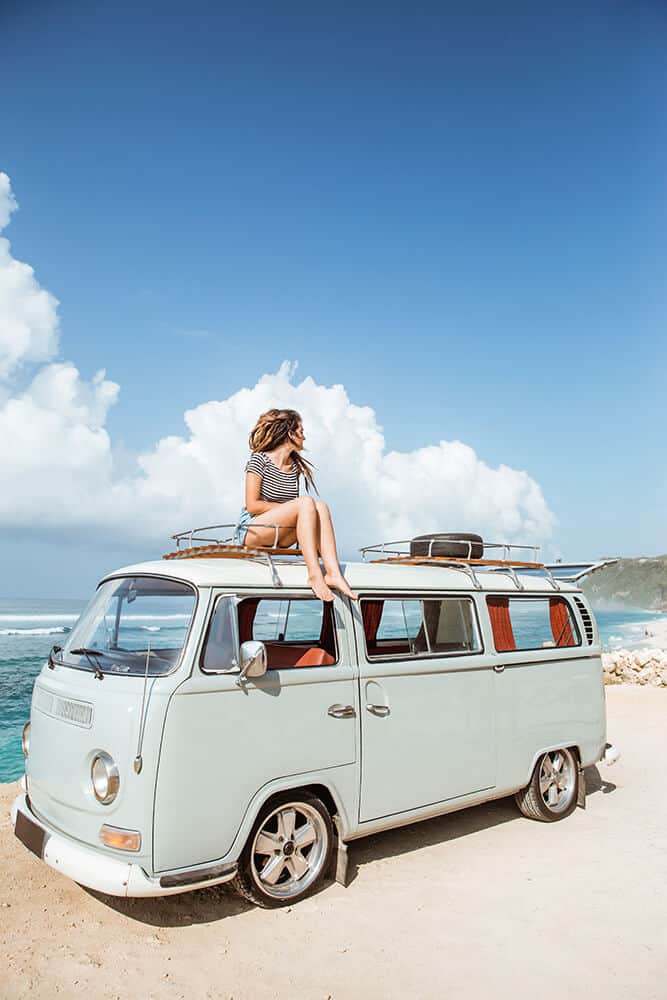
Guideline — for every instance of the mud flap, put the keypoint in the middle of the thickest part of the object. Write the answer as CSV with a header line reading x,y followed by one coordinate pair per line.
x,y
581,795
340,859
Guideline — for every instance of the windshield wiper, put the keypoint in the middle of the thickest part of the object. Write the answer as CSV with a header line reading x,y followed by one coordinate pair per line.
x,y
89,653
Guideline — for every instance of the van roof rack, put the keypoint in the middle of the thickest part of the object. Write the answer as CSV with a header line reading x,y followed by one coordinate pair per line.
x,y
573,572
192,544
395,553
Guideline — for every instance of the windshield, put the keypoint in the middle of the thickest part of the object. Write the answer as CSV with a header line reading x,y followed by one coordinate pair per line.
x,y
130,624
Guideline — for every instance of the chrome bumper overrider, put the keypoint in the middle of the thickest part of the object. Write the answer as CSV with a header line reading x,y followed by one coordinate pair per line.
x,y
611,754
117,878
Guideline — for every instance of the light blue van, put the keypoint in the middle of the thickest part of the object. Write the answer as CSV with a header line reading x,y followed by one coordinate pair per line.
x,y
208,720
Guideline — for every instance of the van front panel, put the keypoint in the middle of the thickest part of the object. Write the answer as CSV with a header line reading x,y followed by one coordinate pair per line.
x,y
73,717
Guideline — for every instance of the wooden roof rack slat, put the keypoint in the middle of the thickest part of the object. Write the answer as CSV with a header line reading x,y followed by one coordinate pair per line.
x,y
202,547
417,560
222,551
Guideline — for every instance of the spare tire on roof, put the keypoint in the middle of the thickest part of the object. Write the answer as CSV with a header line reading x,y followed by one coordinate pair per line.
x,y
454,545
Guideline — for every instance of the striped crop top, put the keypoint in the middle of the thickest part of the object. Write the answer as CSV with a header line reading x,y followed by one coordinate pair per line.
x,y
277,486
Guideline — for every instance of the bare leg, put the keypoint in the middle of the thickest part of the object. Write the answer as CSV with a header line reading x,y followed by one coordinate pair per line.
x,y
266,537
301,516
327,545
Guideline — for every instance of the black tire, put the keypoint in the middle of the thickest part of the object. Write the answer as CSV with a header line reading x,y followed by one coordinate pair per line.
x,y
444,546
286,891
532,800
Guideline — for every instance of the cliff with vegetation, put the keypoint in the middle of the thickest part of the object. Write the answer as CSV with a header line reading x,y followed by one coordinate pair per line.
x,y
630,583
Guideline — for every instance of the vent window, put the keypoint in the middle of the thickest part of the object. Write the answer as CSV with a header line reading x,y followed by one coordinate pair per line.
x,y
586,619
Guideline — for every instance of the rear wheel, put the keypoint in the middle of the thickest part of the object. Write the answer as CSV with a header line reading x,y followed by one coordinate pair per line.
x,y
288,851
553,789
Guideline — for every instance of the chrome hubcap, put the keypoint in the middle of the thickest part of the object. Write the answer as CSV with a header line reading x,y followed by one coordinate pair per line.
x,y
557,780
289,850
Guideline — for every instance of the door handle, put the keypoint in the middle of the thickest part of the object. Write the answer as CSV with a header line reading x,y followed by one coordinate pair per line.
x,y
499,667
380,710
342,711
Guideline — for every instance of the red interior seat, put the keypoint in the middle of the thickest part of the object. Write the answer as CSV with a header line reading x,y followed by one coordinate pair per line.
x,y
315,657
281,656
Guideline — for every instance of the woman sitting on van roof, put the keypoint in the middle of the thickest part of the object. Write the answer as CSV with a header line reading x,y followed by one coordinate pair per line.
x,y
272,498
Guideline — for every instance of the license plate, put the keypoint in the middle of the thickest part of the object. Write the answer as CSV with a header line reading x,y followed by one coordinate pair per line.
x,y
30,834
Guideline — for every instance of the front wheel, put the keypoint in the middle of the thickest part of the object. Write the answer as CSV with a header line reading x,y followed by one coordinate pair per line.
x,y
288,851
553,789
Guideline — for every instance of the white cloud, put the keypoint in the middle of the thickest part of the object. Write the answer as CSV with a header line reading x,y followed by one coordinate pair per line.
x,y
375,494
59,473
28,313
55,454
8,203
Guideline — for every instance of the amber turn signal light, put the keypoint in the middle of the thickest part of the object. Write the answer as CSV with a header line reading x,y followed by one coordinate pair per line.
x,y
122,840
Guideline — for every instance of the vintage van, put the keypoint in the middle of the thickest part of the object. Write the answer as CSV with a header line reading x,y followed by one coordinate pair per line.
x,y
208,720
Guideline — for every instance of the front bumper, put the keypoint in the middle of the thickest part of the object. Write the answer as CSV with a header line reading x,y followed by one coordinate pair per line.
x,y
110,875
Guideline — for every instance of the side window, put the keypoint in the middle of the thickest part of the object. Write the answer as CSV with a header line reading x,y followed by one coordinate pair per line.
x,y
220,654
531,623
419,627
452,626
297,632
399,626
288,621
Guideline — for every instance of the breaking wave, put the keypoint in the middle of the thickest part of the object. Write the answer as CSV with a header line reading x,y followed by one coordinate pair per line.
x,y
55,630
38,618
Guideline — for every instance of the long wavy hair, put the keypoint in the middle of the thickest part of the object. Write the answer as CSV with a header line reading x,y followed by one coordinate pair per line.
x,y
274,428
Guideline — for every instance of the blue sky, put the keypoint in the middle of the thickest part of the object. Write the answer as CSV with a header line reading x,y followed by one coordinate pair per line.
x,y
459,216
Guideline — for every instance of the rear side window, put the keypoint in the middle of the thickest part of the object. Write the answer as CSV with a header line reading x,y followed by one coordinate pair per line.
x,y
419,627
531,623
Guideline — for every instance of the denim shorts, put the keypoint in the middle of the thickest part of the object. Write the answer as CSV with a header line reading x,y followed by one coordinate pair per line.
x,y
244,520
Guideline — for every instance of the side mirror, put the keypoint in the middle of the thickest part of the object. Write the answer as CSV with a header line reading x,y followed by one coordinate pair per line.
x,y
253,660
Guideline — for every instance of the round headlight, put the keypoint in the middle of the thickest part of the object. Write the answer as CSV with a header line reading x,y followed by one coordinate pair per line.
x,y
105,778
25,739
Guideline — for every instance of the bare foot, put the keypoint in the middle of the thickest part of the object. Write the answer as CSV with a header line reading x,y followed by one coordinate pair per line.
x,y
319,588
338,582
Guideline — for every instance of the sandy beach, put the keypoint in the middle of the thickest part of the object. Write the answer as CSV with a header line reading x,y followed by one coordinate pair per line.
x,y
656,635
480,903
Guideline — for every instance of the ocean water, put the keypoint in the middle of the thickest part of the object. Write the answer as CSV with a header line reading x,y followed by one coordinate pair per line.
x,y
29,628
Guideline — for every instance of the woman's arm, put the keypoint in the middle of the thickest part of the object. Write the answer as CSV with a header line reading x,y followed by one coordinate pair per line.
x,y
253,485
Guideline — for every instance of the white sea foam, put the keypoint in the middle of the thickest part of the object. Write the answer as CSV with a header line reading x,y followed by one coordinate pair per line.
x,y
56,630
56,616
149,628
155,618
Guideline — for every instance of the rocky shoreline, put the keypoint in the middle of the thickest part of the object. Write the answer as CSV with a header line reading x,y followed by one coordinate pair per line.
x,y
636,666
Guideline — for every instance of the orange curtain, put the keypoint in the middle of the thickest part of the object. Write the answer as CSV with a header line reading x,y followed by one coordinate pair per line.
x,y
371,613
501,625
247,612
561,627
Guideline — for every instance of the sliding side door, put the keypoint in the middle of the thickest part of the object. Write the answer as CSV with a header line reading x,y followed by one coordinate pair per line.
x,y
427,703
